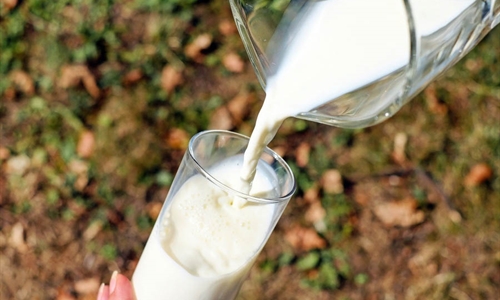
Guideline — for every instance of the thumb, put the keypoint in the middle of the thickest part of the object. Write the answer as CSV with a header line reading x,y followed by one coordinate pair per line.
x,y
121,289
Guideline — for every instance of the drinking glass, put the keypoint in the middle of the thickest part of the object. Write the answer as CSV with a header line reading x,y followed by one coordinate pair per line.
x,y
374,55
211,160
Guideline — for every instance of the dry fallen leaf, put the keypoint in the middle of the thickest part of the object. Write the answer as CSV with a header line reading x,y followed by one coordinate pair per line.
x,y
8,4
80,169
9,94
17,238
171,78
304,239
22,81
227,27
86,143
132,76
332,182
154,209
302,154
424,258
62,294
4,153
115,217
77,208
200,43
361,196
399,213
398,154
478,174
311,195
177,139
72,75
239,106
87,286
92,231
233,62
280,150
315,213
474,65
221,119
433,102
18,164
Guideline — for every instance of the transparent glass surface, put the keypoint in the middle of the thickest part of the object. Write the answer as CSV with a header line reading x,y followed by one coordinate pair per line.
x,y
379,69
208,234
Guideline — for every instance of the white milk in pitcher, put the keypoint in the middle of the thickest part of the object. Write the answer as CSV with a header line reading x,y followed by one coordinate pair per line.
x,y
205,243
334,47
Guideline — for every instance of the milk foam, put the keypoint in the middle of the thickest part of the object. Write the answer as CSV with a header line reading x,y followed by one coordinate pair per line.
x,y
207,231
204,244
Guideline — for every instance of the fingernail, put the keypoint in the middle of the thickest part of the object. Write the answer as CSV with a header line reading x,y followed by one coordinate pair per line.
x,y
101,289
112,282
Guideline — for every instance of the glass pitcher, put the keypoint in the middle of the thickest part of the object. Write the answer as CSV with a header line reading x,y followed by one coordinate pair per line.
x,y
355,63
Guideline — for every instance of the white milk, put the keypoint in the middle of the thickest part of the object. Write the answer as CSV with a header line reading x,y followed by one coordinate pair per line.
x,y
335,47
204,244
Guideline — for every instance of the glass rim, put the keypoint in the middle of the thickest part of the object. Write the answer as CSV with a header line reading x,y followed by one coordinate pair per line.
x,y
223,186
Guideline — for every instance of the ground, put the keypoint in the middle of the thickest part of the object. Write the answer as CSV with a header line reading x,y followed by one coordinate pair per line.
x,y
98,103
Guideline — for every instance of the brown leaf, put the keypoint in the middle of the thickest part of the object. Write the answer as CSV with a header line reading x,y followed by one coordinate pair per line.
x,y
233,62
399,213
22,81
4,153
474,65
9,4
86,144
433,102
87,286
221,119
332,182
201,42
478,174
17,238
171,78
311,195
424,258
62,294
77,208
280,150
72,75
302,154
361,196
9,94
92,230
315,213
18,164
114,217
304,239
154,209
239,106
177,139
80,169
398,154
132,76
227,27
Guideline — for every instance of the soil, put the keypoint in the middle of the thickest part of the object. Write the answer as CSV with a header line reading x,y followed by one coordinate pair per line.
x,y
409,210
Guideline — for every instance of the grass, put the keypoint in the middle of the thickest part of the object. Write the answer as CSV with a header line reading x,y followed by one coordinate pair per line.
x,y
56,194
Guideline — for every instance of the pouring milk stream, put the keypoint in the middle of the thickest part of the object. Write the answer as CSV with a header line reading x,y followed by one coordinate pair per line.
x,y
349,63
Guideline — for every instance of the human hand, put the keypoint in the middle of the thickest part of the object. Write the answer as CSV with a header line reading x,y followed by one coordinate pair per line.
x,y
120,288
